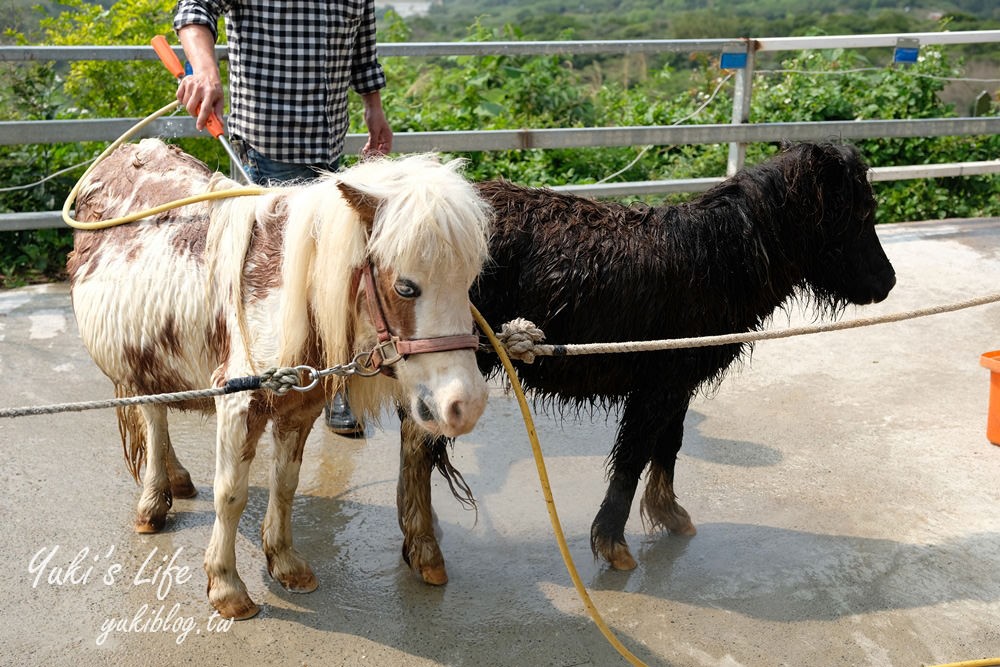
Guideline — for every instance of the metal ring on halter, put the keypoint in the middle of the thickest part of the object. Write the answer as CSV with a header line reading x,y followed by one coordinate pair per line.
x,y
359,366
312,373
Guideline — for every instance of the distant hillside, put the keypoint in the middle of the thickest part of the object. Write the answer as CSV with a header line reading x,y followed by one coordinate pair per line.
x,y
640,19
688,19
774,10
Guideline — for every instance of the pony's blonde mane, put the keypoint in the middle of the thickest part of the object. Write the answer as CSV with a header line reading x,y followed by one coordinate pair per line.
x,y
227,242
427,215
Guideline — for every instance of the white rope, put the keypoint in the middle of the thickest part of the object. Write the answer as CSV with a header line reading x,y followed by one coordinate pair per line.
x,y
523,339
110,403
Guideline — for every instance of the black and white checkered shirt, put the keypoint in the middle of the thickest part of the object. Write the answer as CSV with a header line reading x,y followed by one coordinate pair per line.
x,y
290,66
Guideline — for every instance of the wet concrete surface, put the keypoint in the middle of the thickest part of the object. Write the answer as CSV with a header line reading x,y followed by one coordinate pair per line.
x,y
845,494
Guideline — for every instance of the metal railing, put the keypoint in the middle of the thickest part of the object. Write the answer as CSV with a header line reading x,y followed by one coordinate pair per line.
x,y
737,134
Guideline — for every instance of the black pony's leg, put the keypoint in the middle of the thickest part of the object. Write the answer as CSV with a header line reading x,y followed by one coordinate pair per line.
x,y
659,507
413,501
631,452
419,455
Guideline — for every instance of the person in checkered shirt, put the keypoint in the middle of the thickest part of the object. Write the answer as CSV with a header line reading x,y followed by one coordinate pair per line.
x,y
291,65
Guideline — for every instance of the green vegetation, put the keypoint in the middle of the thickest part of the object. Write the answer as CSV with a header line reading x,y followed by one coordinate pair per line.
x,y
505,92
509,92
700,19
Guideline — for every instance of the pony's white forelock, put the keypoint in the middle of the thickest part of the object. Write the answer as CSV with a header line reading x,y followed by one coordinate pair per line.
x,y
430,214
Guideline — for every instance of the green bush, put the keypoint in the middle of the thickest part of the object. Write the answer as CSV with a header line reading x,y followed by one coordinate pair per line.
x,y
33,92
843,85
94,89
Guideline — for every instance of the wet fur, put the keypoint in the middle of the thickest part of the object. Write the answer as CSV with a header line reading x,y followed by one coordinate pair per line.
x,y
198,295
798,227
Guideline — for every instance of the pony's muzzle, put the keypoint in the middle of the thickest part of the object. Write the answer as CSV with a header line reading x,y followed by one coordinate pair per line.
x,y
451,410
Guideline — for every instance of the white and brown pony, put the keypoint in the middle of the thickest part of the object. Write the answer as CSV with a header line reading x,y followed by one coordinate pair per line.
x,y
225,289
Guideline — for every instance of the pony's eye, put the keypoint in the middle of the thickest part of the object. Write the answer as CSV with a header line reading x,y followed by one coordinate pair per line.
x,y
407,289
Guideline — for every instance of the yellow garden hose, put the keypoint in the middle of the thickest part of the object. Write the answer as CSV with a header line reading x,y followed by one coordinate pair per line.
x,y
543,479
132,217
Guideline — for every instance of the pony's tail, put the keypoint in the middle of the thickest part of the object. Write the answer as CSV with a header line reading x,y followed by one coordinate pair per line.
x,y
132,429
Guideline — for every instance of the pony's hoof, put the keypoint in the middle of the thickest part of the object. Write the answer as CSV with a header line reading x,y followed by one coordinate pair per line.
x,y
623,561
435,575
149,525
230,598
669,516
299,582
183,489
660,509
424,557
291,571
238,610
617,555
151,512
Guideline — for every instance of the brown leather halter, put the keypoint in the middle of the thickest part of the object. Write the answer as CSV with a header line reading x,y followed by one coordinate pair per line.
x,y
390,348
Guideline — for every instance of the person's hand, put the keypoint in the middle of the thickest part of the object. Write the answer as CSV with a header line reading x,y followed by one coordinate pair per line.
x,y
379,132
201,94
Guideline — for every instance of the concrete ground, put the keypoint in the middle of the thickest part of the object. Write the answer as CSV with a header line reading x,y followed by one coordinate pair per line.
x,y
845,493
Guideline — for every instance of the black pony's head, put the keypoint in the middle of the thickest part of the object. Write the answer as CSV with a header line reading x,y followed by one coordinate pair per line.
x,y
842,260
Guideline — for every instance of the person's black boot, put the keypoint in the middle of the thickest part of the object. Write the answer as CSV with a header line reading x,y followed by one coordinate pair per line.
x,y
340,419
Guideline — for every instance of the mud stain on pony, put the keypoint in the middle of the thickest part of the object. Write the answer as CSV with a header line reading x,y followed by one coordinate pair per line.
x,y
798,227
216,290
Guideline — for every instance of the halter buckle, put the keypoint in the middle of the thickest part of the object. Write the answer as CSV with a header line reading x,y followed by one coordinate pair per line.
x,y
387,352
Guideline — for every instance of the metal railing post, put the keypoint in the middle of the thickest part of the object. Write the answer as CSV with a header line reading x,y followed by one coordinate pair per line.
x,y
742,93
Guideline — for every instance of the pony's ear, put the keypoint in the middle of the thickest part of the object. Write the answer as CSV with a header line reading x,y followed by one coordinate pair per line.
x,y
365,204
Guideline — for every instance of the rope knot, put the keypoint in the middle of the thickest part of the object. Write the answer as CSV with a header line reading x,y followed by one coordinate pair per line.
x,y
280,380
520,337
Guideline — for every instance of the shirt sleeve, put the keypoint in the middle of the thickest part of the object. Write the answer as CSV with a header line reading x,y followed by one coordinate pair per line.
x,y
205,13
367,75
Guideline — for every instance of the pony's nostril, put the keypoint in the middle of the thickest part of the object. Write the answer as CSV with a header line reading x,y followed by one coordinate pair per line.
x,y
423,411
455,412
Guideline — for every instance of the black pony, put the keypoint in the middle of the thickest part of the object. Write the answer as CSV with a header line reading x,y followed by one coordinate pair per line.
x,y
799,225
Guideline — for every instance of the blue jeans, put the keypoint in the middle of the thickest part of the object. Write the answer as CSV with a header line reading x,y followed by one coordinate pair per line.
x,y
265,171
